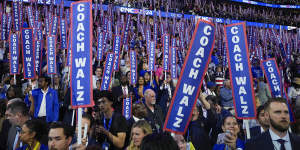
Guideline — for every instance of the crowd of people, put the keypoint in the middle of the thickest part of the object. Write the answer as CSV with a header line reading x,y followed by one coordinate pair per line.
x,y
37,113
287,2
221,9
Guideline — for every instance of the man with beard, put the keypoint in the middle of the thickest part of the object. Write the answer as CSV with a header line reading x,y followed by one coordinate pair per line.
x,y
277,137
121,92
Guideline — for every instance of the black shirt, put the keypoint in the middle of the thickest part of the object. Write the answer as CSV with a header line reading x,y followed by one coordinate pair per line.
x,y
118,124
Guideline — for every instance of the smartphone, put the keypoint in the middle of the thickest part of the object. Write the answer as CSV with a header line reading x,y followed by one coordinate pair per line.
x,y
221,137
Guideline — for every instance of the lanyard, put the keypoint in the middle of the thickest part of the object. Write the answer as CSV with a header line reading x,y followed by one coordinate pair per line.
x,y
37,145
109,123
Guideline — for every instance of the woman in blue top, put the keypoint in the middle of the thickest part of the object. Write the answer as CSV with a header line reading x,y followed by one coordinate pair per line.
x,y
229,140
32,131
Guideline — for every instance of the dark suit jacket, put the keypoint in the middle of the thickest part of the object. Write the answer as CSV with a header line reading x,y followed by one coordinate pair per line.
x,y
11,137
264,142
255,131
118,92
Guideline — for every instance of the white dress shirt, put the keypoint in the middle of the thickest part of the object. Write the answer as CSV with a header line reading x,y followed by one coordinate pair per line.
x,y
125,89
42,111
276,144
95,78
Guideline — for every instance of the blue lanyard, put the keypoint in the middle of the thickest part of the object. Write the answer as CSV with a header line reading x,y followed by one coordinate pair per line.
x,y
109,124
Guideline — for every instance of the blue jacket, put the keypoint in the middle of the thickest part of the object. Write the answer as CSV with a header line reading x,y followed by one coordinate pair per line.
x,y
52,106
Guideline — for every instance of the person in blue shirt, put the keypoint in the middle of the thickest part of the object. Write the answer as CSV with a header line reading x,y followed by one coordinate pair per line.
x,y
44,101
229,139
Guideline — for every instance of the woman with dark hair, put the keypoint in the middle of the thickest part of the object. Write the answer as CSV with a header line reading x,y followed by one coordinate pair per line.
x,y
229,138
151,84
140,88
30,135
14,91
159,141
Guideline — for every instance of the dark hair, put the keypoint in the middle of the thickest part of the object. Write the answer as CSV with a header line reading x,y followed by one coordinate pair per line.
x,y
159,141
259,109
104,93
18,107
274,100
68,130
37,126
215,100
224,119
17,90
89,117
47,79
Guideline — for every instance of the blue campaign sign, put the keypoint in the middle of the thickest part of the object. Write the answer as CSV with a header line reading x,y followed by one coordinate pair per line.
x,y
127,108
108,69
4,26
272,74
125,35
273,77
240,71
16,17
151,60
191,77
173,65
14,51
28,52
81,58
63,33
54,25
100,46
117,45
39,33
51,55
166,51
69,51
38,56
30,16
148,39
133,67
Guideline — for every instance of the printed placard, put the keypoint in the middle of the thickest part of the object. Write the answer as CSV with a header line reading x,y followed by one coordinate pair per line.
x,y
38,56
28,53
151,55
63,33
100,46
107,73
81,58
166,46
133,67
240,71
127,108
273,77
51,55
191,77
117,44
14,51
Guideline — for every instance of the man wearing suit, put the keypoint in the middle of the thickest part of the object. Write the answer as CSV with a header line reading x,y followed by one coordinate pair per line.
x,y
121,92
263,123
44,101
277,137
17,114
